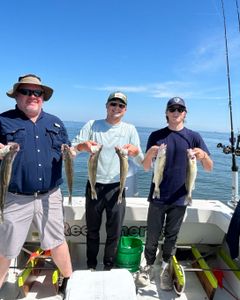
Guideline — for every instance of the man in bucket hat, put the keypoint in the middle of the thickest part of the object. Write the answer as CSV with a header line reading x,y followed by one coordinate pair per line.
x,y
33,194
30,79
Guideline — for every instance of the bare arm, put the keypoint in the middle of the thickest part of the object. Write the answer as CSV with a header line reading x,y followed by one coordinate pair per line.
x,y
150,154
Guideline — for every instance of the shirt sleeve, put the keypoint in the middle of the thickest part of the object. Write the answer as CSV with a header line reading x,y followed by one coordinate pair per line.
x,y
65,135
201,144
84,134
149,142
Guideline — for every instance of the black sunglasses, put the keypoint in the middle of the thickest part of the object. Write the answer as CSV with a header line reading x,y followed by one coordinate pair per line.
x,y
28,92
179,109
117,104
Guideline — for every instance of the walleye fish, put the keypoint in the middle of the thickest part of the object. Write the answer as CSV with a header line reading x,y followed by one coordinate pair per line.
x,y
5,174
191,175
159,166
4,150
92,169
123,158
69,169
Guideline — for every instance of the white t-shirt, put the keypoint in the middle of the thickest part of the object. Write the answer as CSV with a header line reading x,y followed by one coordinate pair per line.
x,y
109,136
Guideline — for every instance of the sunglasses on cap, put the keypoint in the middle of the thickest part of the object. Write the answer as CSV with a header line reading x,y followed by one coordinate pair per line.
x,y
121,105
28,92
179,109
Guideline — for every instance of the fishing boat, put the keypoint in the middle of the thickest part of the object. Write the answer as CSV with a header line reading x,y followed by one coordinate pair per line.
x,y
203,266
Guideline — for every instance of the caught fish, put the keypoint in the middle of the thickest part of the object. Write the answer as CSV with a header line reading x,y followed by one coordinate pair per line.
x,y
68,164
123,158
191,175
4,150
6,173
92,168
159,166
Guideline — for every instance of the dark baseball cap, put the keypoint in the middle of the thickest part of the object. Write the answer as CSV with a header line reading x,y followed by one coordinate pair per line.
x,y
176,101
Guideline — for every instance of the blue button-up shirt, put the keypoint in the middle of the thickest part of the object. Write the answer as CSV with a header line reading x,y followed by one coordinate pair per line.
x,y
38,165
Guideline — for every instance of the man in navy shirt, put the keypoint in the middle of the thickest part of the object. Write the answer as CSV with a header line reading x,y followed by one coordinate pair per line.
x,y
169,208
34,194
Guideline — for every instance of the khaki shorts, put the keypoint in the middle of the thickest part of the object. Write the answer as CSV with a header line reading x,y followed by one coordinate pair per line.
x,y
20,211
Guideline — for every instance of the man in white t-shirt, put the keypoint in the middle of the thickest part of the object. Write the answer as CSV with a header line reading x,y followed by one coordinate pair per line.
x,y
110,132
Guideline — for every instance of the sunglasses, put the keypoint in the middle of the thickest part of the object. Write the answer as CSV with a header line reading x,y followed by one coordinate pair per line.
x,y
117,104
27,92
179,109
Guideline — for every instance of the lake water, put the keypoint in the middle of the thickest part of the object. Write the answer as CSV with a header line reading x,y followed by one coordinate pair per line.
x,y
209,185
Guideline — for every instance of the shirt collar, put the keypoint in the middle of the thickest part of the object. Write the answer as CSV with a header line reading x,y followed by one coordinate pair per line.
x,y
23,116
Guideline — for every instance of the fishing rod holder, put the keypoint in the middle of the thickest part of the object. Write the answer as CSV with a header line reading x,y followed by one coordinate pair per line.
x,y
235,151
229,149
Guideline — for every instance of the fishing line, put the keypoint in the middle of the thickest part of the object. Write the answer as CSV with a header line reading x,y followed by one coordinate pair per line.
x,y
238,16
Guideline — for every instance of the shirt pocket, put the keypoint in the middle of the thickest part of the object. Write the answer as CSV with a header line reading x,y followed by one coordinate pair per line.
x,y
16,135
56,137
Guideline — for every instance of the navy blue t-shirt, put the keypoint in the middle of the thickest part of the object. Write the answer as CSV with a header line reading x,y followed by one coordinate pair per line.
x,y
172,187
38,165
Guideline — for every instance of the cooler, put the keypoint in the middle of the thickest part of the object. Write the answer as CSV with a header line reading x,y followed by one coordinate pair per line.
x,y
117,284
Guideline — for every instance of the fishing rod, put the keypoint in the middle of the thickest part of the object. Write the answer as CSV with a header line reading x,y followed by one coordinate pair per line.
x,y
231,148
238,15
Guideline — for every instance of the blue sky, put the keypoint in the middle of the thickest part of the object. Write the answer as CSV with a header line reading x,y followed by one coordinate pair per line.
x,y
150,49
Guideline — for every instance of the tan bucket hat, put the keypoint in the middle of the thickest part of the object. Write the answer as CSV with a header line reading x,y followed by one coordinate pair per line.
x,y
30,79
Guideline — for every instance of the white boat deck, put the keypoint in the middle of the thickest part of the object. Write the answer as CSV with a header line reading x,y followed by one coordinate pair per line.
x,y
193,291
42,289
205,223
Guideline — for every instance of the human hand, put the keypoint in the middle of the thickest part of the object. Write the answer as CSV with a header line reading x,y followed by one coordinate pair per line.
x,y
131,149
199,153
153,151
86,146
66,148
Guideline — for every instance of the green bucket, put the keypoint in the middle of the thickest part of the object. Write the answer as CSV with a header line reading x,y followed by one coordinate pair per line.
x,y
129,253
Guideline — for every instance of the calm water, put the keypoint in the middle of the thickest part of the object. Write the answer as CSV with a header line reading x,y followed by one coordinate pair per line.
x,y
209,185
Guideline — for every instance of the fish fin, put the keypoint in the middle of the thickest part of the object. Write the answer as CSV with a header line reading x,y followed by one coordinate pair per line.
x,y
156,194
94,195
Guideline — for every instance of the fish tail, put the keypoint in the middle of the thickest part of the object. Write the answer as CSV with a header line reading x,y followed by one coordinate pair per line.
x,y
94,195
119,198
70,200
188,200
1,218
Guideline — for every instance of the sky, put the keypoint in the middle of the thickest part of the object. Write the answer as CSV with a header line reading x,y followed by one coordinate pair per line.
x,y
151,50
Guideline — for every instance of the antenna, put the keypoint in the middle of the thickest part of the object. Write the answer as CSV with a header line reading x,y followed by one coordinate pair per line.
x,y
230,149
